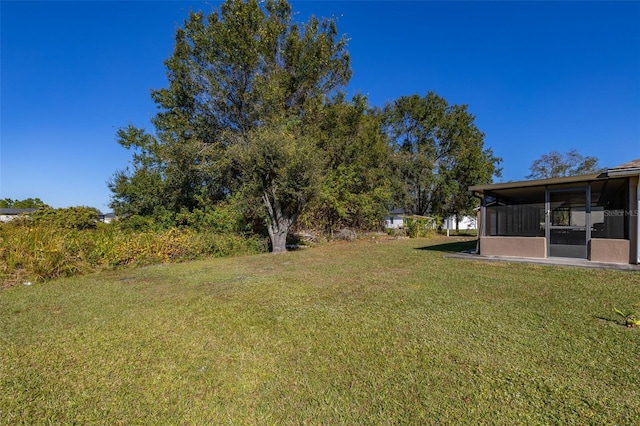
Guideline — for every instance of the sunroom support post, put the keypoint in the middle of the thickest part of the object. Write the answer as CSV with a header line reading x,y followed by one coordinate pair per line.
x,y
587,213
547,219
483,215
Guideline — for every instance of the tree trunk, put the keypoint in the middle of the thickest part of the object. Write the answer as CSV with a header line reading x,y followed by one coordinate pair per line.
x,y
278,239
279,223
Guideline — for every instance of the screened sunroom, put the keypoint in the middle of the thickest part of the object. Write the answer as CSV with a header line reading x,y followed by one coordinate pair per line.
x,y
591,217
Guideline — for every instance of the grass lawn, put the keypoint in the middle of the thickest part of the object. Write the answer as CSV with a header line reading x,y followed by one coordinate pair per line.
x,y
387,332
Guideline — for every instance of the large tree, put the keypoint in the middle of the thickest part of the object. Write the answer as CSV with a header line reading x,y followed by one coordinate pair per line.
x,y
238,116
439,152
356,184
281,170
557,164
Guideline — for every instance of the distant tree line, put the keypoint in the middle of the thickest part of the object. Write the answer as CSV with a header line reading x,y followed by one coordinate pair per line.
x,y
255,134
28,203
557,164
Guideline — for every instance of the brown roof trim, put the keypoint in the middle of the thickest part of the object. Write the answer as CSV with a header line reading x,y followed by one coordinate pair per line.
x,y
538,182
10,211
633,164
632,168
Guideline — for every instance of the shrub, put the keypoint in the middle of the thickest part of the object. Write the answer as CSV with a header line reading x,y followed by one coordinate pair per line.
x,y
137,223
67,218
221,218
421,226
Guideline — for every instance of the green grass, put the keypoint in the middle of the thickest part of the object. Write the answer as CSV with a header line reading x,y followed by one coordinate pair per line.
x,y
369,332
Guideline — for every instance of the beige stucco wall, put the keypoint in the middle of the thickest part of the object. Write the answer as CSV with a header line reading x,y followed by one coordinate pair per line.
x,y
514,246
609,250
634,232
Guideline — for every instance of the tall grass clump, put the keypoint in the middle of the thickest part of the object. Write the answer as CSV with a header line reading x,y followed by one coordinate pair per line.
x,y
47,246
419,226
39,253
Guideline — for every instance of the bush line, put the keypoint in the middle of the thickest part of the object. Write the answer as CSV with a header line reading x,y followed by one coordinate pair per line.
x,y
41,252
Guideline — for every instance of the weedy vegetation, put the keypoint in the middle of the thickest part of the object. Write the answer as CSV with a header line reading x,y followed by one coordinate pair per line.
x,y
630,318
58,243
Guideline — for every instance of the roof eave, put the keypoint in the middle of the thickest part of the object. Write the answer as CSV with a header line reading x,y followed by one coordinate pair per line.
x,y
624,172
537,182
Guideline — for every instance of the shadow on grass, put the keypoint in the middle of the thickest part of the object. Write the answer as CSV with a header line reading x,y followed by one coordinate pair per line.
x,y
613,321
453,247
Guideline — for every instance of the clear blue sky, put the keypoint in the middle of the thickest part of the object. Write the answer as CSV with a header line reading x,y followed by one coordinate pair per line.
x,y
538,76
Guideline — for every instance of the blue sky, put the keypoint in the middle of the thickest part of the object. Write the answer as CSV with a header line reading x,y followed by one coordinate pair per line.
x,y
538,76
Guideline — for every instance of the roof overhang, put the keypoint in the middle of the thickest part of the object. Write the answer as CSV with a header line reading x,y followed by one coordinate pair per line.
x,y
635,171
632,168
537,182
11,211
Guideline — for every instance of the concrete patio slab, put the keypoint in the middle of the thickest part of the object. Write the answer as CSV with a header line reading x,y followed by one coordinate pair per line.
x,y
553,261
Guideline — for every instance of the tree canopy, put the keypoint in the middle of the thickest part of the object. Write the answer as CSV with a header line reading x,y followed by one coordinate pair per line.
x,y
438,153
557,164
27,203
356,184
254,119
245,85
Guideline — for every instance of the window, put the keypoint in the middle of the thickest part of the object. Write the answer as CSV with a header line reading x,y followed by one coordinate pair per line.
x,y
516,212
609,209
